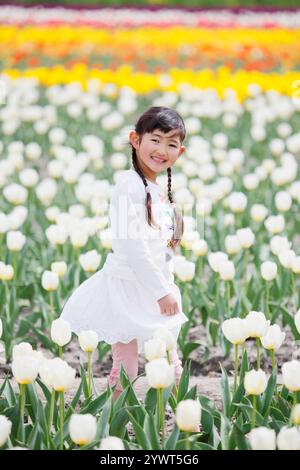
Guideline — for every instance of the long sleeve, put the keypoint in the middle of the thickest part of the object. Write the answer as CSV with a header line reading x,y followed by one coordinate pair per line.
x,y
130,231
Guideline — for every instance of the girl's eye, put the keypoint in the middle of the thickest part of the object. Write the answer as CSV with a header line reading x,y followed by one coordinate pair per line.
x,y
155,140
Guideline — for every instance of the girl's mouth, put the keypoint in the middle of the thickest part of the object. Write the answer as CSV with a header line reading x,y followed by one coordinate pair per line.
x,y
158,160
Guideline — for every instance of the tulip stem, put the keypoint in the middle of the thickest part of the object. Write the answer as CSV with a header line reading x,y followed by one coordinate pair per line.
x,y
253,412
22,401
294,398
160,415
89,373
168,357
217,287
52,316
273,358
227,283
267,311
187,441
258,352
7,302
60,350
236,365
51,411
199,267
61,418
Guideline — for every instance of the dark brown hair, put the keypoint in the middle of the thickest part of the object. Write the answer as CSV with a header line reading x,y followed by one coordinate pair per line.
x,y
164,119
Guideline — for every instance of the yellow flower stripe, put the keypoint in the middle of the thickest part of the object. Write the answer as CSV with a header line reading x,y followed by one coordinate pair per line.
x,y
221,79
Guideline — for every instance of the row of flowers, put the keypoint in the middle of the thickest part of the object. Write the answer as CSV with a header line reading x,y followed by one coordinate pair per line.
x,y
131,17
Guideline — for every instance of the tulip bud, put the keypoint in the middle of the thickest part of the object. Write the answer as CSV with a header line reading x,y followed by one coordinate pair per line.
x,y
5,429
215,259
90,261
274,224
286,258
268,270
6,272
59,267
288,439
188,415
185,271
262,438
227,270
283,201
15,240
232,244
50,281
246,237
159,373
199,247
154,349
296,265
291,375
60,332
278,244
82,428
255,382
273,338
111,443
237,202
258,212
256,324
79,238
60,375
25,369
296,414
235,330
88,340
166,336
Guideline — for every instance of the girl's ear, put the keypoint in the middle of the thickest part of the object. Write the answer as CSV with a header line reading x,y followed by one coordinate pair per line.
x,y
134,139
182,149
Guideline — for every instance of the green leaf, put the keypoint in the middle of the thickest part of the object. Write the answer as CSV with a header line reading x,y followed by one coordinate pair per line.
x,y
103,422
268,394
172,439
184,382
151,431
140,435
226,396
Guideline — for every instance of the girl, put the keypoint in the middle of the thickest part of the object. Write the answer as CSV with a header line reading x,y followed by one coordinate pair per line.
x,y
134,293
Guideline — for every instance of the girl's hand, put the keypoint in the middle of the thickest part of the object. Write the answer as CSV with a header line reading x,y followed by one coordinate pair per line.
x,y
168,305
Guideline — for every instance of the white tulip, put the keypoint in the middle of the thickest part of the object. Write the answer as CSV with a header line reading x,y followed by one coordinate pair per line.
x,y
111,443
268,270
278,244
22,349
215,259
6,272
200,247
258,212
255,382
237,202
273,338
5,429
160,374
46,190
274,224
296,414
286,258
61,375
262,438
295,264
283,201
185,271
4,222
251,181
256,324
235,330
154,349
166,336
78,238
288,438
29,177
25,369
15,240
246,237
90,261
15,193
297,320
82,428
88,340
227,270
188,415
232,244
60,332
59,267
50,280
291,375
57,235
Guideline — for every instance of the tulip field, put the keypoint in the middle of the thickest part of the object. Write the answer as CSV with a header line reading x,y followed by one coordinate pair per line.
x,y
72,84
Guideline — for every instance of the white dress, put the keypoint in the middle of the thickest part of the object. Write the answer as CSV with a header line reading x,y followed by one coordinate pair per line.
x,y
119,301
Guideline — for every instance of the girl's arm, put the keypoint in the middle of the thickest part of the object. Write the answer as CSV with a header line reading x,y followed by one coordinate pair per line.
x,y
129,230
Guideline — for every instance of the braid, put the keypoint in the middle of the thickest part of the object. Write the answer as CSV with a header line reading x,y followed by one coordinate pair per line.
x,y
148,194
178,219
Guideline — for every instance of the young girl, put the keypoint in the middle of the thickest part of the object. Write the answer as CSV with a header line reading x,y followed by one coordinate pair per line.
x,y
134,293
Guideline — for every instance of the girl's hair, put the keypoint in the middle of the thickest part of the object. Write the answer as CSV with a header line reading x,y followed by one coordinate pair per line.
x,y
164,119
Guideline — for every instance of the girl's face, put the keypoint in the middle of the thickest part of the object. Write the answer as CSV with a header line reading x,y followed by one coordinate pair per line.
x,y
157,151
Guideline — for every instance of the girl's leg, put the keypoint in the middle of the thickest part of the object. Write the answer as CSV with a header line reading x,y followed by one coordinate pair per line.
x,y
178,365
126,354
